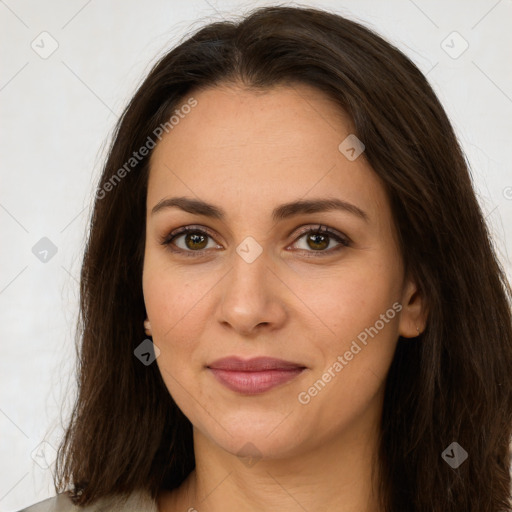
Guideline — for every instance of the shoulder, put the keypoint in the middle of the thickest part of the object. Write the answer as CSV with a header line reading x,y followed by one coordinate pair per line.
x,y
138,501
59,503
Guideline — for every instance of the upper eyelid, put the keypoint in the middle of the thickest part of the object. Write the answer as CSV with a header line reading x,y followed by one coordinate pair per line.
x,y
184,229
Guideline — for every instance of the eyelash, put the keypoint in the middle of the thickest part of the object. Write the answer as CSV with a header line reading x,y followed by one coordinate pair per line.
x,y
323,230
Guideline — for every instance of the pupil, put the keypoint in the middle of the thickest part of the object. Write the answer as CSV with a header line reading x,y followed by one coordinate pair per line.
x,y
315,237
195,238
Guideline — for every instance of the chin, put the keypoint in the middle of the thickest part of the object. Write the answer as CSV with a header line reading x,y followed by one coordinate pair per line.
x,y
269,438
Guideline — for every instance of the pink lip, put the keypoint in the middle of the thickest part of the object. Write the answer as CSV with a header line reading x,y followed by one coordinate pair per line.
x,y
255,375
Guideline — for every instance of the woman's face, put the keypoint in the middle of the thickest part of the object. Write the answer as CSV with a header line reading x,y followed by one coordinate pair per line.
x,y
256,283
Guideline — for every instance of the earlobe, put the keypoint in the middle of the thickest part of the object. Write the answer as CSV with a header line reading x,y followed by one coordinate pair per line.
x,y
413,316
147,327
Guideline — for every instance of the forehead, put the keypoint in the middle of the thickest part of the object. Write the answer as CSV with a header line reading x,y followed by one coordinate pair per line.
x,y
266,147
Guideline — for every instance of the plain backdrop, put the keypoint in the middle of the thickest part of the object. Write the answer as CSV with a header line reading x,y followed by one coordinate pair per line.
x,y
69,68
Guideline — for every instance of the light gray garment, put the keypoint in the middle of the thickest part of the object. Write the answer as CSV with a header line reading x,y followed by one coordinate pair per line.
x,y
137,502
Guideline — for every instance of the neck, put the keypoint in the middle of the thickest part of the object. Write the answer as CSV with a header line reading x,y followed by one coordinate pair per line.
x,y
335,475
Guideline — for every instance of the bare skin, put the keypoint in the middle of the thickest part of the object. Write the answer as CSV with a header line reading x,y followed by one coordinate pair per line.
x,y
247,153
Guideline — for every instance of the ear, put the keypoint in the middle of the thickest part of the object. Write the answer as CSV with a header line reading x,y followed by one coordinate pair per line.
x,y
147,327
413,317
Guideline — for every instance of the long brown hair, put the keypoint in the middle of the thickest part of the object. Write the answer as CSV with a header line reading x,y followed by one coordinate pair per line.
x,y
451,384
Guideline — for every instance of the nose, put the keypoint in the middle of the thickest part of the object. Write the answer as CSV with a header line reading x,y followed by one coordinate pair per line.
x,y
253,297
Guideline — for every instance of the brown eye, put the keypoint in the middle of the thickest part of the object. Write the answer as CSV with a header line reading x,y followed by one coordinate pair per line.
x,y
320,239
189,240
317,241
196,240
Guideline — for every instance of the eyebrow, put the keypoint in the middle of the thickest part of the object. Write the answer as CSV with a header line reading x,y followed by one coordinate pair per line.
x,y
283,211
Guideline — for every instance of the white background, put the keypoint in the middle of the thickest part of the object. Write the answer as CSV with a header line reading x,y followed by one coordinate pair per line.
x,y
57,113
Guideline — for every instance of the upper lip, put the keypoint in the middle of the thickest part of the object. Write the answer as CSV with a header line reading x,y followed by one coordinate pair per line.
x,y
255,364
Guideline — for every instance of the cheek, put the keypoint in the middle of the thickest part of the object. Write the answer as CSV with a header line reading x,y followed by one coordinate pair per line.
x,y
358,305
351,300
170,294
354,355
176,310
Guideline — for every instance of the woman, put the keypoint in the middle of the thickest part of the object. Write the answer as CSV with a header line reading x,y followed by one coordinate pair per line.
x,y
289,297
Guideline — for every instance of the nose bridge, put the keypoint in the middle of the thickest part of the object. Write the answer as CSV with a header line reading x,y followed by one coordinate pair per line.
x,y
249,278
250,295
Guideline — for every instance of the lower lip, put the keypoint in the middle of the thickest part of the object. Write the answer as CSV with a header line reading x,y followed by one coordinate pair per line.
x,y
251,383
